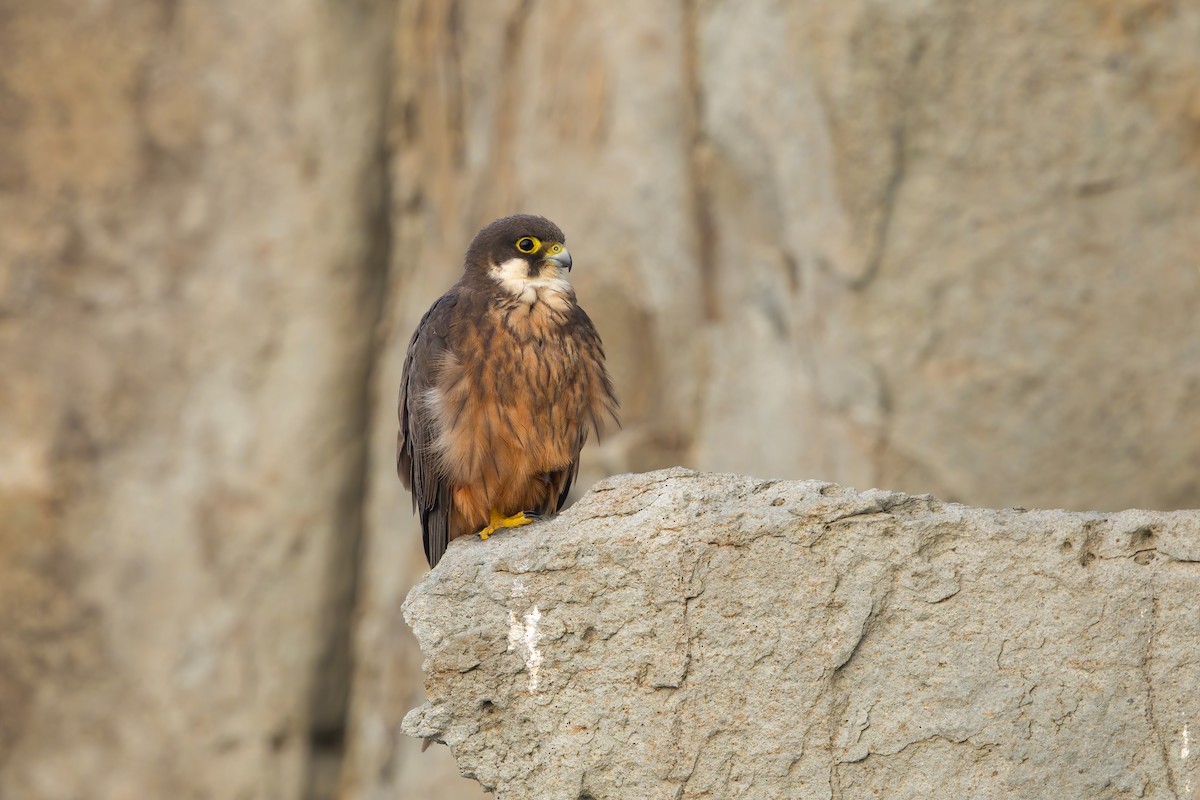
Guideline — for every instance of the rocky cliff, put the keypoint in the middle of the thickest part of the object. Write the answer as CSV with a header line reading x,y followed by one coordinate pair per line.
x,y
918,244
191,261
686,635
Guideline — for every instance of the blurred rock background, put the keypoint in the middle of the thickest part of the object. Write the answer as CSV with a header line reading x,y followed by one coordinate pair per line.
x,y
921,245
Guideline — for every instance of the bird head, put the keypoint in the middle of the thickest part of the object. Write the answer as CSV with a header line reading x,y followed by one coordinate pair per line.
x,y
520,250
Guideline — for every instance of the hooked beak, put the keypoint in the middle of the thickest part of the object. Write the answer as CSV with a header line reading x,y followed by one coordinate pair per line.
x,y
561,259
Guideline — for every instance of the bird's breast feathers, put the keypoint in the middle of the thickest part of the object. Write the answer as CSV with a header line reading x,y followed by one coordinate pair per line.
x,y
517,391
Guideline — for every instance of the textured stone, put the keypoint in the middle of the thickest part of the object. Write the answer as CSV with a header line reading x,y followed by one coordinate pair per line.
x,y
189,266
687,635
918,244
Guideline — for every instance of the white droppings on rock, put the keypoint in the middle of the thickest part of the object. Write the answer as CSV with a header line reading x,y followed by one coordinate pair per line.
x,y
1184,751
525,637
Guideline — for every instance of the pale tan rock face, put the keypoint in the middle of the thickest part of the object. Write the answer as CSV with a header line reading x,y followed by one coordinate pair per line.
x,y
689,635
908,245
186,303
902,244
947,225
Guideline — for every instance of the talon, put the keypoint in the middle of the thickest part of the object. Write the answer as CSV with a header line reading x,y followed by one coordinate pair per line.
x,y
497,521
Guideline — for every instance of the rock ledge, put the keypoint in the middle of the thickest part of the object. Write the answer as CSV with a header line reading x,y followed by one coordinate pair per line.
x,y
686,635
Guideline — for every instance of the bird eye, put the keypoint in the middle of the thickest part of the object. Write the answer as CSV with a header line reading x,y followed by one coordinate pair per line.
x,y
527,244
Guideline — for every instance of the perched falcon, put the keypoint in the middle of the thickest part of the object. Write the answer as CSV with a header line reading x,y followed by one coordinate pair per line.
x,y
504,378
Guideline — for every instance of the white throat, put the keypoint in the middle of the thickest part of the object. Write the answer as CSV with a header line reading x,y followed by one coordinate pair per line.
x,y
551,287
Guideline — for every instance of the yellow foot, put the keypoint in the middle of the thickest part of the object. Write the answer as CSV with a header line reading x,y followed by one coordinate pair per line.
x,y
499,521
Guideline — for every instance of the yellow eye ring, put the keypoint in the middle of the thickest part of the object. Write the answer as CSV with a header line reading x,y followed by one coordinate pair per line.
x,y
528,244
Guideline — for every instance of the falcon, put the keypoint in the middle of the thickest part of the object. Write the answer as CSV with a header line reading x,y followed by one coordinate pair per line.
x,y
503,381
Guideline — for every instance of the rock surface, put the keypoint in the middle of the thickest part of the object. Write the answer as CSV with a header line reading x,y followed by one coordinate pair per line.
x,y
909,243
190,264
687,635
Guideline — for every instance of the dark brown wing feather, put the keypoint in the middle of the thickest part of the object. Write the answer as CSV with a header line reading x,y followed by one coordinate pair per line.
x,y
602,399
416,460
568,480
560,482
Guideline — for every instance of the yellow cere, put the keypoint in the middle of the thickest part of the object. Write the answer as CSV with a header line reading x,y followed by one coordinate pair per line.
x,y
554,249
